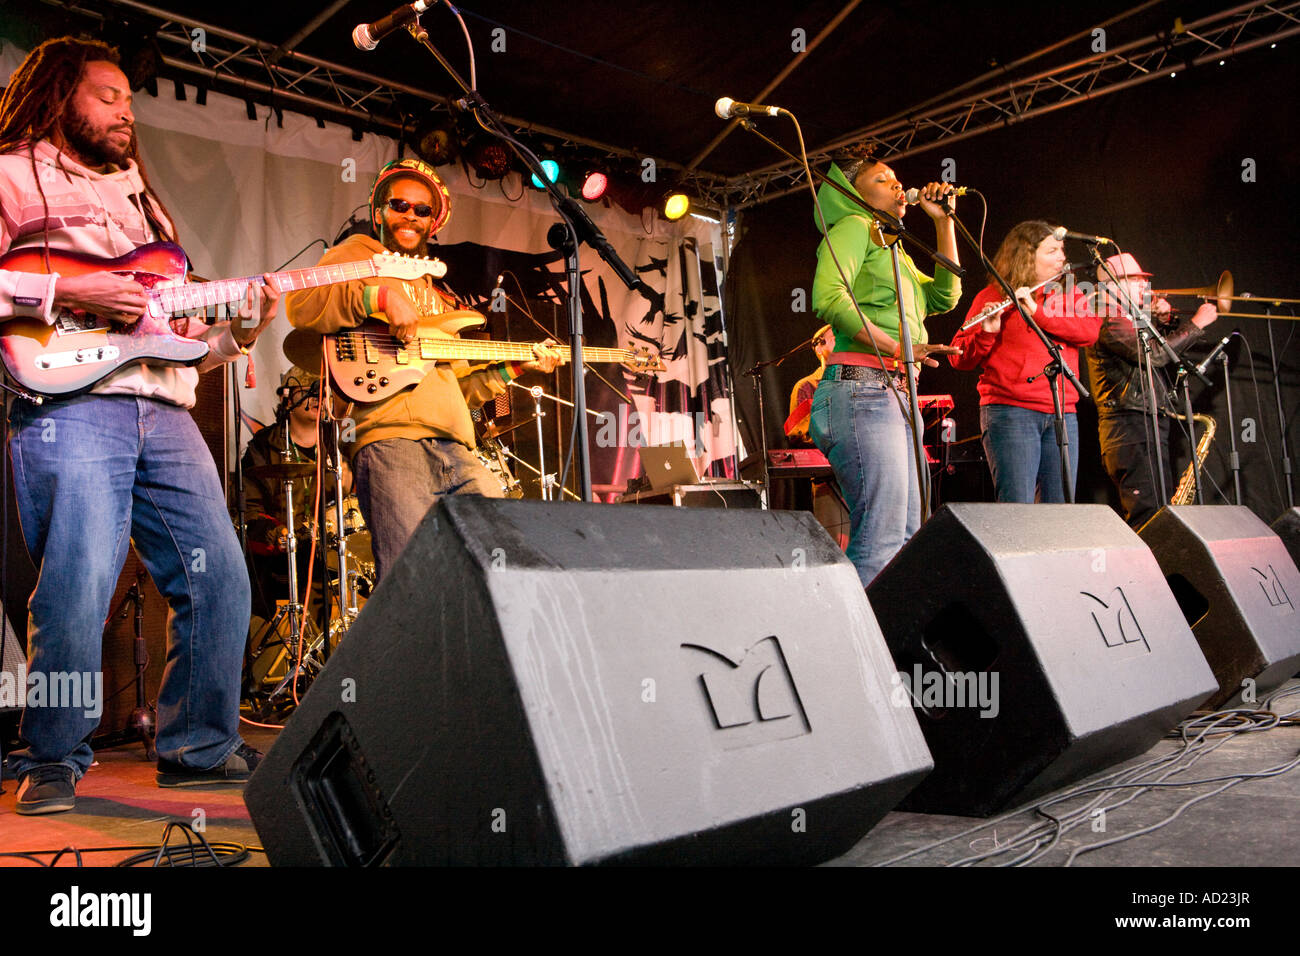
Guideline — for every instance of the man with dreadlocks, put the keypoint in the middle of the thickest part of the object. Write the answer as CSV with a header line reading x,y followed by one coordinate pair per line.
x,y
124,461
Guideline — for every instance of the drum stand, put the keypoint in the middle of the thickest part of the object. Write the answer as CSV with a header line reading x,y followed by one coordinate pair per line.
x,y
294,610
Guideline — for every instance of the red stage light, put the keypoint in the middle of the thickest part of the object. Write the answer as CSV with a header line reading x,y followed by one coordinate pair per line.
x,y
594,185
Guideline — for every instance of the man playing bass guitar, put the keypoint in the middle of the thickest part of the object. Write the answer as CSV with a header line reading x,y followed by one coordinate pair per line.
x,y
410,448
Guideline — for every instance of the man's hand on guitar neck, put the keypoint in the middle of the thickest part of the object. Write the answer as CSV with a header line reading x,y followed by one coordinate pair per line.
x,y
254,316
106,294
548,357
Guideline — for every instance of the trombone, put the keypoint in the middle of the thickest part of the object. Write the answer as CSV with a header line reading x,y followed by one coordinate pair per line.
x,y
1221,293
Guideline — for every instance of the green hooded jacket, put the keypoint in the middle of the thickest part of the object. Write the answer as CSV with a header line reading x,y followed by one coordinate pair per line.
x,y
872,275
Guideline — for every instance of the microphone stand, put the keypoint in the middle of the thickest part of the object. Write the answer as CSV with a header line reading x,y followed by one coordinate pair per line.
x,y
905,353
1055,368
579,228
1281,417
1234,460
885,222
756,373
1186,389
548,482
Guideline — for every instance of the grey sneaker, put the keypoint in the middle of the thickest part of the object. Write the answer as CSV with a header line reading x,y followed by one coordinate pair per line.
x,y
51,788
235,772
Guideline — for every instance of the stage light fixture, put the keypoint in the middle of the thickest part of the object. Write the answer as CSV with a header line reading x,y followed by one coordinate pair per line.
x,y
676,205
489,158
437,143
594,184
552,170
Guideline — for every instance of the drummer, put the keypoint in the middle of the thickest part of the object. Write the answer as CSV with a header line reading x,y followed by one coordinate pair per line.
x,y
268,531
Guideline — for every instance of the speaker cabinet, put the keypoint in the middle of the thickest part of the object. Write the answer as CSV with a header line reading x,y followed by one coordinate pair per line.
x,y
1238,588
1287,527
543,683
1038,644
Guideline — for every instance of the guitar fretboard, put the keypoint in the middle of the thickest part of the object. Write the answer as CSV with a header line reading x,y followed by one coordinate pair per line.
x,y
200,295
373,345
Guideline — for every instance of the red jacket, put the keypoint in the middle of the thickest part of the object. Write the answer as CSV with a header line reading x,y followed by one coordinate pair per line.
x,y
1013,354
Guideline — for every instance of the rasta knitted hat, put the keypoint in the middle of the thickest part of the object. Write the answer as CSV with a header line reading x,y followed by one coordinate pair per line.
x,y
422,171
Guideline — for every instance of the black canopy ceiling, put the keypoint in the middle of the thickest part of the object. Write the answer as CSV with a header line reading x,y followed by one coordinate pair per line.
x,y
644,76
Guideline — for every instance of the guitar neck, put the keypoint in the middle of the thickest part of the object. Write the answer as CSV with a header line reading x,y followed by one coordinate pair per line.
x,y
200,295
437,348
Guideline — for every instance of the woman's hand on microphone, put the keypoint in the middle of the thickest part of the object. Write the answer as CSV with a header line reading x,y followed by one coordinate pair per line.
x,y
933,200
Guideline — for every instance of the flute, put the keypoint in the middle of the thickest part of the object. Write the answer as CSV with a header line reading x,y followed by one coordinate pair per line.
x,y
991,310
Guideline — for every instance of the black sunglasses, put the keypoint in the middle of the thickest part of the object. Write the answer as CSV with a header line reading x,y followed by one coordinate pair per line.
x,y
423,210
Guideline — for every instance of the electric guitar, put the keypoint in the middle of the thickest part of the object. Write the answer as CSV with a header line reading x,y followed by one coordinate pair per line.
x,y
367,364
78,350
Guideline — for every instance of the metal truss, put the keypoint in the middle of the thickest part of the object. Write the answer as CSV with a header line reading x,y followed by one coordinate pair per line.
x,y
234,63
1209,40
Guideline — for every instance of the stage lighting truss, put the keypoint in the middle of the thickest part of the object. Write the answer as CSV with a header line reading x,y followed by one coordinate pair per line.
x,y
962,115
255,70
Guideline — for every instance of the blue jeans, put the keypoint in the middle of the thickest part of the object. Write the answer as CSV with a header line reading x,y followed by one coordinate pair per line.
x,y
1021,447
864,434
91,473
399,480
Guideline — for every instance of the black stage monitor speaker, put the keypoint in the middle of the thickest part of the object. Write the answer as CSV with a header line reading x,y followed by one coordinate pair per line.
x,y
579,684
1238,589
1038,643
1287,527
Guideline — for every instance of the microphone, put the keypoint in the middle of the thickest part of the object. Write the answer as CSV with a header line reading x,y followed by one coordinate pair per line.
x,y
1060,232
913,195
726,108
1205,363
366,36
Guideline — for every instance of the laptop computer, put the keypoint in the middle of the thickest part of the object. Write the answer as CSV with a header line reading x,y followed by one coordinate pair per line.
x,y
668,465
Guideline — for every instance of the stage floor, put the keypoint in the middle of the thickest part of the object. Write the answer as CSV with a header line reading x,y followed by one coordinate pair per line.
x,y
1255,822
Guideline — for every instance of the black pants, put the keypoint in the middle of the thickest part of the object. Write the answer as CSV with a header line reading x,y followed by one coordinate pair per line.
x,y
1130,460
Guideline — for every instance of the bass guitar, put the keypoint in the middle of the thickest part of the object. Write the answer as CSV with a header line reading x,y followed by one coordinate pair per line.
x,y
367,364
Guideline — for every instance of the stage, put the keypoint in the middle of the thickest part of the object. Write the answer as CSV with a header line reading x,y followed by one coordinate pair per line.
x,y
1255,823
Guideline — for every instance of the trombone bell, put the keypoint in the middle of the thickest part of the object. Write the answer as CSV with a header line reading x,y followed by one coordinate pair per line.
x,y
1220,292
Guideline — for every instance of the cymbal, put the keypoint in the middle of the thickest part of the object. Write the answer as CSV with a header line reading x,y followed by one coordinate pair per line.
x,y
302,348
288,469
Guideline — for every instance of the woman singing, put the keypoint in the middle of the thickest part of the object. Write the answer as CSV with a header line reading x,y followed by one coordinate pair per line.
x,y
1015,413
858,419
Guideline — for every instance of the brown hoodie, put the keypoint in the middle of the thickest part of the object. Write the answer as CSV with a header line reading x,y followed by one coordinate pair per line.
x,y
439,406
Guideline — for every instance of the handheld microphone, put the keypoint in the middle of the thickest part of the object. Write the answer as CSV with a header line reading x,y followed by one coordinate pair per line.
x,y
1205,363
913,195
366,36
1060,232
726,108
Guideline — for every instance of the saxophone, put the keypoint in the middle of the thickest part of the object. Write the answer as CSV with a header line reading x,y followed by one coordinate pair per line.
x,y
1186,487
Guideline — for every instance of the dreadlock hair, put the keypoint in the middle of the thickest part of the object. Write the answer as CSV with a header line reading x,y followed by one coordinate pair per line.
x,y
36,103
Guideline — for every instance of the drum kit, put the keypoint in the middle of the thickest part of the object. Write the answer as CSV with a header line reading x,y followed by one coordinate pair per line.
x,y
287,651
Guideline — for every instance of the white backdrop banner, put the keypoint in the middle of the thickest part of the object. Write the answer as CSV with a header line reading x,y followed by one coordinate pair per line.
x,y
257,195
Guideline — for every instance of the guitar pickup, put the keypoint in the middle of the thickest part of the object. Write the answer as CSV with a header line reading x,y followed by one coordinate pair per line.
x,y
403,356
95,356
